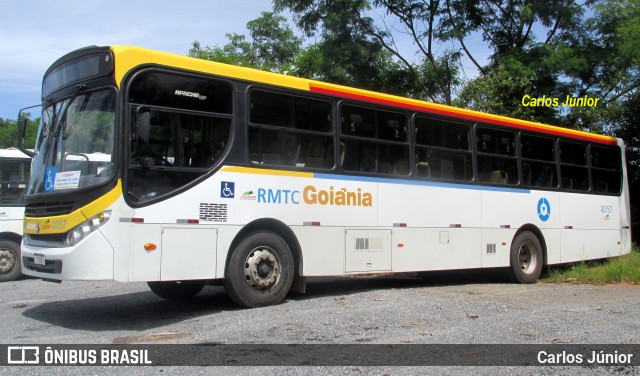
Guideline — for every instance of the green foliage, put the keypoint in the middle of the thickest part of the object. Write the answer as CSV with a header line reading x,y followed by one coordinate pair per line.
x,y
501,91
623,269
273,46
344,52
9,133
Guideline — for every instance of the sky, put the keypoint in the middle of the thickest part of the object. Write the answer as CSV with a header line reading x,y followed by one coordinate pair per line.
x,y
35,33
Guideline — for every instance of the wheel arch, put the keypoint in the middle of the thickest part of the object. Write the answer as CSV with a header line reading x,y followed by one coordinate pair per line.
x,y
16,238
282,230
538,233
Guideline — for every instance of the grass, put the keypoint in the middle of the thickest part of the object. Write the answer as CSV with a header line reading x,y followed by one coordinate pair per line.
x,y
623,269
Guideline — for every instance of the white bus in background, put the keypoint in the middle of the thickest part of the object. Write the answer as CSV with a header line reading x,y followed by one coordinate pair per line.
x,y
14,177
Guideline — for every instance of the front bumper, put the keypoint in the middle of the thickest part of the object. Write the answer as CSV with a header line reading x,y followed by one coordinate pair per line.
x,y
91,259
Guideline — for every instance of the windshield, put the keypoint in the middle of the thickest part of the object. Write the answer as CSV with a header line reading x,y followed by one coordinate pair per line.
x,y
75,143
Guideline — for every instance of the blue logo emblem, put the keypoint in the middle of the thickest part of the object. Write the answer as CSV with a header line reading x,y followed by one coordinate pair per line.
x,y
227,189
544,209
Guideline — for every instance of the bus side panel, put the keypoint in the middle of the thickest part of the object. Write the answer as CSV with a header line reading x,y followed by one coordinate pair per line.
x,y
582,217
496,246
295,200
323,249
188,252
181,253
553,240
226,235
428,206
11,219
505,212
422,249
578,245
145,265
442,225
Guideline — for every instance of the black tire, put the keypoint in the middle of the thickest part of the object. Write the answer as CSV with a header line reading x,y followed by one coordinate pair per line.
x,y
176,290
526,258
260,270
10,261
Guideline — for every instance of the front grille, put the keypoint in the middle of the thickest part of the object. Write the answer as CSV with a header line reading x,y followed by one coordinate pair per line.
x,y
50,266
47,209
53,238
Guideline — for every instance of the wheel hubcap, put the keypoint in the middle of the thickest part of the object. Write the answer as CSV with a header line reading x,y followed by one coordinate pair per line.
x,y
261,269
7,261
527,258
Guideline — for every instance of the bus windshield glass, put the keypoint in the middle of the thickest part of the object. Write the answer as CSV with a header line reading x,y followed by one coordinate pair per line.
x,y
75,144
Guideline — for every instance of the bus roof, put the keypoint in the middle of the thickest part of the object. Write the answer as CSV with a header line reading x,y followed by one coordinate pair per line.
x,y
128,57
13,153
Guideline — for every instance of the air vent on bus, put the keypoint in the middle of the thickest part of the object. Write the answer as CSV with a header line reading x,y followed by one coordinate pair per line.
x,y
213,212
46,209
368,244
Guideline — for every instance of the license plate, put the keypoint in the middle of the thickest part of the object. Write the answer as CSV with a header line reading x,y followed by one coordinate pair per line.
x,y
38,259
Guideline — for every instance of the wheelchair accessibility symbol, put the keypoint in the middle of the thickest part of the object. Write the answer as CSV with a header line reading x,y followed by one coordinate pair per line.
x,y
544,209
227,189
50,179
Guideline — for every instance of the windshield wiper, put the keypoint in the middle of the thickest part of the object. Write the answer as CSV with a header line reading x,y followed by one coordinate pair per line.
x,y
67,132
63,115
62,121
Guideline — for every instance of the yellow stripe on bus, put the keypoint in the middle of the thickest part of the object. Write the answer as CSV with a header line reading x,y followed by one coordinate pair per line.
x,y
262,171
128,58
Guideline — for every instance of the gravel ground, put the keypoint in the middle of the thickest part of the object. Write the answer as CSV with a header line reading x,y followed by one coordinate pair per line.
x,y
443,308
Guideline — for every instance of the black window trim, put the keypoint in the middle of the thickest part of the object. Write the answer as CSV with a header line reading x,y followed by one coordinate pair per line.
x,y
337,103
294,94
126,127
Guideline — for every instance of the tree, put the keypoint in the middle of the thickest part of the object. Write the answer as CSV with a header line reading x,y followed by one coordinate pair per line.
x,y
344,55
272,46
350,38
9,133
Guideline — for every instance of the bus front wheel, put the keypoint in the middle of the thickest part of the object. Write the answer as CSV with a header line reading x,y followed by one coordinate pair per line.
x,y
9,260
260,270
176,290
526,258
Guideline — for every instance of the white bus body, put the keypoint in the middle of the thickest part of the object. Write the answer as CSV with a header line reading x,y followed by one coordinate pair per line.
x,y
449,226
447,189
14,176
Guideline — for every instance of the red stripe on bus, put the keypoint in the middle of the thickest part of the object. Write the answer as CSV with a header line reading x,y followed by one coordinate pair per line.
x,y
393,103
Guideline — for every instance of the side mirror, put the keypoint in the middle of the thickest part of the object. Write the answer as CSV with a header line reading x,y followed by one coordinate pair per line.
x,y
22,131
143,125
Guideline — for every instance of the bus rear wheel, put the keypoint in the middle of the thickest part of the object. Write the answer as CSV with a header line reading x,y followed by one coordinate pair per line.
x,y
526,258
9,260
176,290
260,270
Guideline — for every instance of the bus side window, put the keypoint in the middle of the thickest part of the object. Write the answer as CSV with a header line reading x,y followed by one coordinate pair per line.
x,y
573,166
286,130
442,149
539,167
180,148
497,162
606,169
374,141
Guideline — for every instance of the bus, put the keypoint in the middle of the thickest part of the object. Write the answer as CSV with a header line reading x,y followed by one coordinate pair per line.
x,y
14,177
212,173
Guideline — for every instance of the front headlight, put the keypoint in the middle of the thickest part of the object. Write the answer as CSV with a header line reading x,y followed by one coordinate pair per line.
x,y
87,227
